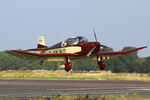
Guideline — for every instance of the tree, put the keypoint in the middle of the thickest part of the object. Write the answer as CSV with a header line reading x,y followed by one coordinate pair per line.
x,y
126,63
84,65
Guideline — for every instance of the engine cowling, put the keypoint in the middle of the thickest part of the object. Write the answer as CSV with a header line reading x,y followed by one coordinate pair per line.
x,y
68,66
101,65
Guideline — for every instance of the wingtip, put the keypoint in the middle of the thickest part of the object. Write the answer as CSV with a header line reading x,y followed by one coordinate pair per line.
x,y
8,51
145,47
142,47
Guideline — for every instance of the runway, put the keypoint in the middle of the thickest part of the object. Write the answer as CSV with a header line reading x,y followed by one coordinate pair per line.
x,y
32,88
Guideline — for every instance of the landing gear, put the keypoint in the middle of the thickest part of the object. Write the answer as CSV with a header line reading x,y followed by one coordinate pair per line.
x,y
67,64
101,63
41,63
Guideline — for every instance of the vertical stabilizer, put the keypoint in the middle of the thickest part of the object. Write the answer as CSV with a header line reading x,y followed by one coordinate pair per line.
x,y
41,42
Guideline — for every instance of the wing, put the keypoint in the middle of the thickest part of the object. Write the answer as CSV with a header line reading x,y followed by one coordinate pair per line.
x,y
107,55
33,56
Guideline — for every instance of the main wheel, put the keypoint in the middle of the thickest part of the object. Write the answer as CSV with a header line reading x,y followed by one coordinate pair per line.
x,y
101,65
68,66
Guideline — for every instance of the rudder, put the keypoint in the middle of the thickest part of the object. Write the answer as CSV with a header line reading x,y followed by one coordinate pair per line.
x,y
41,42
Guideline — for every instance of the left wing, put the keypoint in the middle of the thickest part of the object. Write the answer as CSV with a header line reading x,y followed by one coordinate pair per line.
x,y
32,56
107,55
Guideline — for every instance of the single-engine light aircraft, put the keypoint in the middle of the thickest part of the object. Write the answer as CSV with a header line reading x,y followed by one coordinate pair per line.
x,y
72,48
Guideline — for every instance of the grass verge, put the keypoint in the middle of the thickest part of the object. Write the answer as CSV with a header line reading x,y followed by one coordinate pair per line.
x,y
62,75
85,97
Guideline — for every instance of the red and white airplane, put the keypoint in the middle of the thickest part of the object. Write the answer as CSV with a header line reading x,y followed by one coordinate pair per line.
x,y
72,48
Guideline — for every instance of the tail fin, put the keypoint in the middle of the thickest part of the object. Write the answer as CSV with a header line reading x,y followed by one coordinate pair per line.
x,y
41,42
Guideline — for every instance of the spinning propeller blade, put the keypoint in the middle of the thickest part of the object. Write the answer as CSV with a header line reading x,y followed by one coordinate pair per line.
x,y
104,46
95,35
88,55
90,52
96,39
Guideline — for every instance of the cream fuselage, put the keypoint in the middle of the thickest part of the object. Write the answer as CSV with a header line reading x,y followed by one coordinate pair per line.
x,y
70,49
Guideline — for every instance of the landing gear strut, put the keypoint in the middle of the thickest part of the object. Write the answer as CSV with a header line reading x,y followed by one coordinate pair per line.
x,y
67,64
41,63
101,63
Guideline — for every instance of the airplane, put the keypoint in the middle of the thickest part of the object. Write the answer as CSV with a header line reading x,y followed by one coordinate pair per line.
x,y
72,48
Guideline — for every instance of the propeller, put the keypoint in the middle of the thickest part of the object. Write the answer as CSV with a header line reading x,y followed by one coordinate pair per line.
x,y
104,46
95,35
96,39
90,52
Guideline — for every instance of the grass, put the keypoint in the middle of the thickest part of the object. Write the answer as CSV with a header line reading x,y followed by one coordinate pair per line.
x,y
134,96
100,97
62,75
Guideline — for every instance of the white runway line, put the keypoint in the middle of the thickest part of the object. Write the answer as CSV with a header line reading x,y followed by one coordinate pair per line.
x,y
141,89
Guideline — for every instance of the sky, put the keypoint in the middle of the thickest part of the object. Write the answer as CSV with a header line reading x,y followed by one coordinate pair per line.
x,y
118,23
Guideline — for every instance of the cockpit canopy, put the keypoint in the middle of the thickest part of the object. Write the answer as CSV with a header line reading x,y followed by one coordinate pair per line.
x,y
74,41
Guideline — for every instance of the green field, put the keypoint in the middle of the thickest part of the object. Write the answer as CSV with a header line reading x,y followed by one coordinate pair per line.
x,y
62,75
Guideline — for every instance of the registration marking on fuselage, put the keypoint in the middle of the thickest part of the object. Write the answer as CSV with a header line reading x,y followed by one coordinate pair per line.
x,y
71,49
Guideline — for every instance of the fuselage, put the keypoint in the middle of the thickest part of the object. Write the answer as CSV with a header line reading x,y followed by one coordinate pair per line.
x,y
76,45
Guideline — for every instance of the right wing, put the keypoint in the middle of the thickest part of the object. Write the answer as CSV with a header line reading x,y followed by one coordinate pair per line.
x,y
107,55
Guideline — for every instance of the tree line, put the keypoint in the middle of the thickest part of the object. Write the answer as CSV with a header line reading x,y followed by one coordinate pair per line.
x,y
126,63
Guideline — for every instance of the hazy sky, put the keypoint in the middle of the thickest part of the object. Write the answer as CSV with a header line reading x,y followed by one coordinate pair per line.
x,y
118,23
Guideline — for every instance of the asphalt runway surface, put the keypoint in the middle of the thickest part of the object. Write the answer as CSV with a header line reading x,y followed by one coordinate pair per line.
x,y
33,88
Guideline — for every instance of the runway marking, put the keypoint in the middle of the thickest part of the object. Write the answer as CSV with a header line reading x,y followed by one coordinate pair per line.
x,y
104,88
141,89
